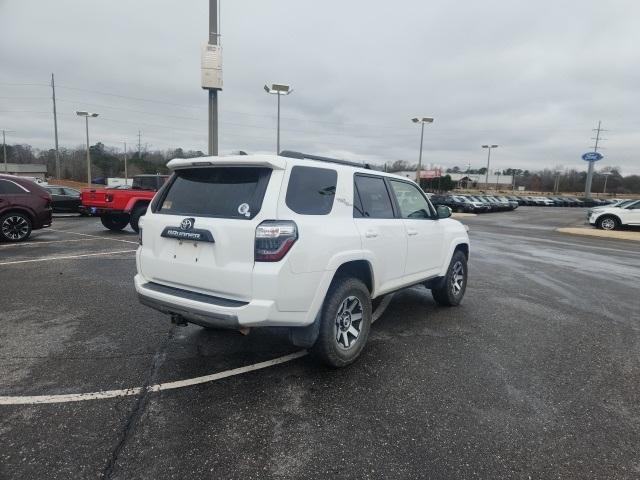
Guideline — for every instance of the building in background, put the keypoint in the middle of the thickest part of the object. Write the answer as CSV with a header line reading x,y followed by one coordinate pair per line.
x,y
24,170
463,180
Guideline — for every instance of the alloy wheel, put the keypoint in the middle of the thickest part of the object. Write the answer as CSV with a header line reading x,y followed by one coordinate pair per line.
x,y
15,227
608,224
457,278
348,324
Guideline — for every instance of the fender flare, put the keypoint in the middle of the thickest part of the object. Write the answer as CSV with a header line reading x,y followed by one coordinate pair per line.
x,y
305,337
133,202
457,241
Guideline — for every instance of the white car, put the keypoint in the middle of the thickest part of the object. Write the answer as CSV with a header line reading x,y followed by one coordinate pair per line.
x,y
610,218
547,202
615,203
295,241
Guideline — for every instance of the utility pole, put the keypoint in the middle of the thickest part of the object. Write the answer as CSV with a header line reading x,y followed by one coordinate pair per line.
x,y
125,163
55,125
139,147
213,92
587,187
4,149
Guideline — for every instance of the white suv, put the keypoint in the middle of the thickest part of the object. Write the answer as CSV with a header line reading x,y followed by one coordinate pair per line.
x,y
610,218
295,241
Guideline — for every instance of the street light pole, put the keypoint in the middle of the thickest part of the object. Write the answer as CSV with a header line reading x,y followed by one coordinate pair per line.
x,y
125,163
213,92
421,121
278,89
86,116
606,177
486,178
4,149
86,120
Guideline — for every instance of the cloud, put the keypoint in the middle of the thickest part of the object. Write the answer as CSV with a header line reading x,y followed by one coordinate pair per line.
x,y
534,77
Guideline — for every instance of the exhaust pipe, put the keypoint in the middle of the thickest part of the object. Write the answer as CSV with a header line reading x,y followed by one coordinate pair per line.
x,y
178,320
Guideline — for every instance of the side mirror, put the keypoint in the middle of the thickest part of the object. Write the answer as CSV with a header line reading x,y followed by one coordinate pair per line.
x,y
443,211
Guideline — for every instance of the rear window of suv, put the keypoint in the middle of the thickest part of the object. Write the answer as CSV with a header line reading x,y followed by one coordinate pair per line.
x,y
311,190
227,192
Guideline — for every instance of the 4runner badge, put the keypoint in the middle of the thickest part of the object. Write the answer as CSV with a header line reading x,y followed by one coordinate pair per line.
x,y
187,232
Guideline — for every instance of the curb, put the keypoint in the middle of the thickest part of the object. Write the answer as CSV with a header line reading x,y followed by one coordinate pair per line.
x,y
592,232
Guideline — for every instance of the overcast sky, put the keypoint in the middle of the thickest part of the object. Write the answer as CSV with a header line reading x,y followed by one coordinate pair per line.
x,y
532,76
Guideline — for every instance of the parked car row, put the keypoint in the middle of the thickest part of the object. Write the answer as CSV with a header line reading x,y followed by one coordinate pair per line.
x,y
475,203
484,203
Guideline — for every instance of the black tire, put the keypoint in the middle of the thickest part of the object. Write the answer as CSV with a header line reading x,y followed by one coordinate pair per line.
x,y
337,346
450,290
137,212
115,222
608,222
15,227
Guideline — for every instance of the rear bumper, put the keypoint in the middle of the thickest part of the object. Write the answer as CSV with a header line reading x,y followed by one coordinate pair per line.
x,y
209,311
43,219
97,211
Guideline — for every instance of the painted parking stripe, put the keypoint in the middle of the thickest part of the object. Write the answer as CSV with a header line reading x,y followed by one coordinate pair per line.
x,y
94,236
104,394
25,244
68,257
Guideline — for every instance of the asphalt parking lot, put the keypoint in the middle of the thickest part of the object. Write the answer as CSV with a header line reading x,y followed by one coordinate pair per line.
x,y
536,375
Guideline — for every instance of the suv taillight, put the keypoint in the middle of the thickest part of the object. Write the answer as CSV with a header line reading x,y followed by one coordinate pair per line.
x,y
274,239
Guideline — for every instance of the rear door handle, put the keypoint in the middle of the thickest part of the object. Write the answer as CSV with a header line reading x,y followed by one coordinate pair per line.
x,y
411,232
371,234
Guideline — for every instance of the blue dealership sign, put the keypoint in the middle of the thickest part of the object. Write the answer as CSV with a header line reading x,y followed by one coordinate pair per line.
x,y
592,157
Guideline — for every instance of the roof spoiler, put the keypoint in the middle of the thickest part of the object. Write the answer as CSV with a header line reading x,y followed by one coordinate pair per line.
x,y
306,156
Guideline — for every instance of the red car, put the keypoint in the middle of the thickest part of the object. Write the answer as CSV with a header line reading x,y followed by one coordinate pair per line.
x,y
118,207
24,206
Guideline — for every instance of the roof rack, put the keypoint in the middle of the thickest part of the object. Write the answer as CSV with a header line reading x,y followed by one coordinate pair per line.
x,y
303,156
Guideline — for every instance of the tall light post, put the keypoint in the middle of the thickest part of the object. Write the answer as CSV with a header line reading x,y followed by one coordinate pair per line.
x,y
4,148
279,90
486,178
86,116
421,121
606,177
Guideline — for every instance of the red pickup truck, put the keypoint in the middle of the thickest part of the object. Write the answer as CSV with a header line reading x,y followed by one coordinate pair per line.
x,y
118,207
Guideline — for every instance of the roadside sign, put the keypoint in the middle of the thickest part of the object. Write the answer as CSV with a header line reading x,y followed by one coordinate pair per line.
x,y
592,157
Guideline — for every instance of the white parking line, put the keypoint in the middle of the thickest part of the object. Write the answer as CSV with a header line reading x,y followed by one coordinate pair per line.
x,y
79,397
21,244
49,259
104,394
94,236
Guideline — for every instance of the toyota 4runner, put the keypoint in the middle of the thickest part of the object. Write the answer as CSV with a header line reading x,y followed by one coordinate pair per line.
x,y
295,241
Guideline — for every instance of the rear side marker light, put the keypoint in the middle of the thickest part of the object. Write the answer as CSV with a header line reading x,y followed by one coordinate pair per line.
x,y
274,239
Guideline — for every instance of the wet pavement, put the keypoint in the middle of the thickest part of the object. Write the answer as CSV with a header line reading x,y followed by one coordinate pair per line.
x,y
536,374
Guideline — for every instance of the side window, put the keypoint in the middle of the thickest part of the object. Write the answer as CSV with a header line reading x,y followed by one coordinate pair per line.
x,y
411,202
311,190
373,198
8,187
56,191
